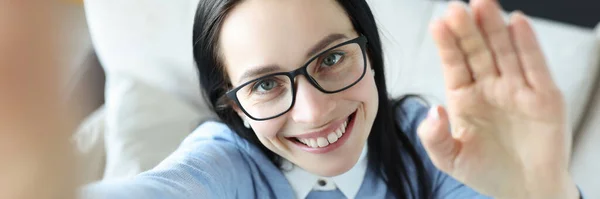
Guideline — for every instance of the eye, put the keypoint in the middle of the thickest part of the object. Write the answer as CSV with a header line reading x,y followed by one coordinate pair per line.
x,y
265,85
332,59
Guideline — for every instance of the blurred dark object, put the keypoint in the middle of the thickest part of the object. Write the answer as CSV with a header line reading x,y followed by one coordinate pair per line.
x,y
584,13
86,87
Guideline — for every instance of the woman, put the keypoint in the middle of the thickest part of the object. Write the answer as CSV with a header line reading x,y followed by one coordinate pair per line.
x,y
300,86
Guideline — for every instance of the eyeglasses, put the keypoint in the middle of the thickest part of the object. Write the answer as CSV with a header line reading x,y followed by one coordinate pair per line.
x,y
333,70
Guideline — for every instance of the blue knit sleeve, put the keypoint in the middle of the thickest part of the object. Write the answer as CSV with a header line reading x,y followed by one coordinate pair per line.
x,y
204,166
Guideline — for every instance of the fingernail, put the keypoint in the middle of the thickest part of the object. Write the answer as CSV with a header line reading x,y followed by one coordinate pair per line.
x,y
517,13
525,17
434,113
511,16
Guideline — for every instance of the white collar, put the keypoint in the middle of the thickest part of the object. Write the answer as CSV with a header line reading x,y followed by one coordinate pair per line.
x,y
349,183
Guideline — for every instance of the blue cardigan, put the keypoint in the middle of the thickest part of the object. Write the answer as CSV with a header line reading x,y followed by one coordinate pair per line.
x,y
213,162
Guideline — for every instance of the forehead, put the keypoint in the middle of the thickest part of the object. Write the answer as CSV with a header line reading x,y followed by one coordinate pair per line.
x,y
258,33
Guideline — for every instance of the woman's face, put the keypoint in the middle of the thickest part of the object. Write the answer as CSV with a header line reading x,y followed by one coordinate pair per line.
x,y
261,37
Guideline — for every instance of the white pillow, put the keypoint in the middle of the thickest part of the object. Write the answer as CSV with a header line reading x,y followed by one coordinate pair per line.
x,y
150,40
598,31
585,161
413,65
89,144
153,97
144,125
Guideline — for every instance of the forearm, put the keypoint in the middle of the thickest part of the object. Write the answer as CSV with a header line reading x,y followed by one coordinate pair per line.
x,y
34,148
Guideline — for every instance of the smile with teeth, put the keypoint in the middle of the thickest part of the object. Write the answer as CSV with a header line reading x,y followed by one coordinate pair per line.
x,y
320,142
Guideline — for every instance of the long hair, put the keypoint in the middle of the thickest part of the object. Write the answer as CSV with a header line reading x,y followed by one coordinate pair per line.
x,y
386,140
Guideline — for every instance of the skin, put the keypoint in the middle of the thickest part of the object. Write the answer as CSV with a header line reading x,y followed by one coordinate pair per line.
x,y
36,161
509,136
275,33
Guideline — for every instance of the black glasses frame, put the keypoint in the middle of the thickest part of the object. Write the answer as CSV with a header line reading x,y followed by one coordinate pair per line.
x,y
361,41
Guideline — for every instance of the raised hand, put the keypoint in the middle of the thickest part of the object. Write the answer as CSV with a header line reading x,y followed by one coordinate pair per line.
x,y
508,129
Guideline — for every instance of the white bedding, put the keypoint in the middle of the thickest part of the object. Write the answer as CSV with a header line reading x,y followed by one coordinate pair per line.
x,y
153,97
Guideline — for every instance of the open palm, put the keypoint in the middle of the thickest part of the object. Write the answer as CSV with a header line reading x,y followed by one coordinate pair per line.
x,y
507,117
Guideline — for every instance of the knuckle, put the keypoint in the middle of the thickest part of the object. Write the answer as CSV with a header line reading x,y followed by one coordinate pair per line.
x,y
452,58
471,44
503,50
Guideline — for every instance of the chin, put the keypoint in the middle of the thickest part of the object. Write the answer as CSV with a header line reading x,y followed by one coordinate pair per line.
x,y
338,162
333,167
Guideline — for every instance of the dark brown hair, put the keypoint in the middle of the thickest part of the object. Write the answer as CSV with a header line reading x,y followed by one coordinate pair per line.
x,y
386,140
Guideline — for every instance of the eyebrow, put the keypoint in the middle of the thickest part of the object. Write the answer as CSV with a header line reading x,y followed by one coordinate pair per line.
x,y
324,43
314,50
259,71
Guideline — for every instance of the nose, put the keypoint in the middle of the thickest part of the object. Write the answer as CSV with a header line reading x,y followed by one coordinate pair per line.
x,y
312,106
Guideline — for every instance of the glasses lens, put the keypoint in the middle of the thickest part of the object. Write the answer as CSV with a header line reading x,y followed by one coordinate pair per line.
x,y
267,96
338,68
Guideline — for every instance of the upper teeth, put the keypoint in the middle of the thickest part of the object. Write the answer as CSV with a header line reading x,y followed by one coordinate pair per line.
x,y
325,141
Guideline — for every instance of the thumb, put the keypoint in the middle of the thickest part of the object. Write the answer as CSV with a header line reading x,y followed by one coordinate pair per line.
x,y
437,140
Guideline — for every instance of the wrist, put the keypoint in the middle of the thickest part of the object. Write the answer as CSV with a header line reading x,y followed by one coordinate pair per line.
x,y
563,187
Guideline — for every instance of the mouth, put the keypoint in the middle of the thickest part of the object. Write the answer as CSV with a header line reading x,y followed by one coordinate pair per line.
x,y
326,141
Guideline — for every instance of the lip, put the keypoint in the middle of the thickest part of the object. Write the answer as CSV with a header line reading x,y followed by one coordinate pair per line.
x,y
321,133
329,147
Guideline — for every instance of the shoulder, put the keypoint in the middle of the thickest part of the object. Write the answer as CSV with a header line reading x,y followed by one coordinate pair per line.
x,y
214,145
209,162
212,162
212,148
212,135
409,111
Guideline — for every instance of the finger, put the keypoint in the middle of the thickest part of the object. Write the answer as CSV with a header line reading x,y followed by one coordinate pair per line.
x,y
489,16
471,41
437,140
535,70
456,70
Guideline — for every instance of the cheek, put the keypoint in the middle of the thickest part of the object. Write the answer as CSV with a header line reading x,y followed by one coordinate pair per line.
x,y
371,98
267,129
365,91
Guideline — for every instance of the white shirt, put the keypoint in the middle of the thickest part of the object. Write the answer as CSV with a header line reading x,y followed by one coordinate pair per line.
x,y
303,182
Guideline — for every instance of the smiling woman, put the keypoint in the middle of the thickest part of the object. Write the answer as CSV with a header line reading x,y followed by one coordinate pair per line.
x,y
300,88
312,102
